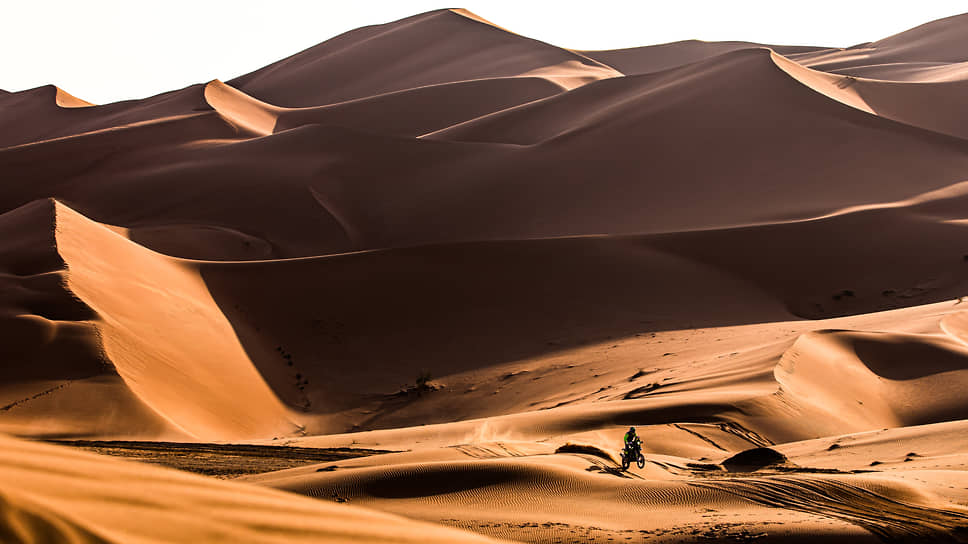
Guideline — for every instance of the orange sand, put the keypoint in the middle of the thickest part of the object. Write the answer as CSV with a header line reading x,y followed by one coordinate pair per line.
x,y
728,245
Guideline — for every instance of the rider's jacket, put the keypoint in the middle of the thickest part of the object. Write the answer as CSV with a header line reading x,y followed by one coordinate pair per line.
x,y
632,438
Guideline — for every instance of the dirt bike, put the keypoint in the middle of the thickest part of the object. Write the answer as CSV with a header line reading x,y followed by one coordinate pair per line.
x,y
630,452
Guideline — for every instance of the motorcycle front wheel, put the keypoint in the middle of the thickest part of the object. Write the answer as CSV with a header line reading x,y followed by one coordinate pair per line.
x,y
640,461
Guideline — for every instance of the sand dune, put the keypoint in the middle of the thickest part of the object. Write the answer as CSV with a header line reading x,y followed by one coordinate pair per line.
x,y
657,58
872,277
878,383
54,357
414,52
48,112
176,357
467,261
652,505
412,112
940,41
407,197
917,103
52,494
498,476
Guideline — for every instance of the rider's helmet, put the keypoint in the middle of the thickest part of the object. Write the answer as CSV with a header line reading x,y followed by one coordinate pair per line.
x,y
631,430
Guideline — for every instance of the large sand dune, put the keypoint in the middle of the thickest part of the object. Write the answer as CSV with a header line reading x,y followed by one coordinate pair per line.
x,y
477,259
53,494
438,47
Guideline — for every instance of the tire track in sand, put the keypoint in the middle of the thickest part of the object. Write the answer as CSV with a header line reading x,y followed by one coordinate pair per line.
x,y
892,520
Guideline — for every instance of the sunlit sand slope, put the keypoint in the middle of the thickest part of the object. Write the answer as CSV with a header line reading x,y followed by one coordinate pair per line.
x,y
52,494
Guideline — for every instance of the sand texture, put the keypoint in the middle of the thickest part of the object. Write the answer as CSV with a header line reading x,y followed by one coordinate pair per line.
x,y
414,283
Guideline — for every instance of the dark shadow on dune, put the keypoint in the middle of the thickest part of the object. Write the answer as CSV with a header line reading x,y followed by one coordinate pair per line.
x,y
840,265
439,480
376,319
754,459
585,449
907,359
22,524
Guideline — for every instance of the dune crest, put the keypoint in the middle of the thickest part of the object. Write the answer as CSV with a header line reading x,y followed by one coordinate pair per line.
x,y
328,73
940,41
165,365
473,16
241,109
67,100
905,102
877,385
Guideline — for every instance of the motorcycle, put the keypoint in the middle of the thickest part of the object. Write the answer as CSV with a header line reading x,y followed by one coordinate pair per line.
x,y
632,452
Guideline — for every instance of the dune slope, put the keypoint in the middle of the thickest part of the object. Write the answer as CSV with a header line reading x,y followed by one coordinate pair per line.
x,y
927,46
52,494
442,46
657,58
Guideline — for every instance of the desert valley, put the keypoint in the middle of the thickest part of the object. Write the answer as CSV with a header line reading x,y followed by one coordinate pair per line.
x,y
415,283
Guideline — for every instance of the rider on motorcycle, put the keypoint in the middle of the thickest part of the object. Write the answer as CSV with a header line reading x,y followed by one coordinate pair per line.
x,y
632,442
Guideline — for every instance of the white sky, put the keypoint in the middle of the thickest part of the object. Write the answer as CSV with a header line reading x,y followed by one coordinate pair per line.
x,y
108,50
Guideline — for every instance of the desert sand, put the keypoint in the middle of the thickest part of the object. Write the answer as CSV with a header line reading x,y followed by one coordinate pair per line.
x,y
414,284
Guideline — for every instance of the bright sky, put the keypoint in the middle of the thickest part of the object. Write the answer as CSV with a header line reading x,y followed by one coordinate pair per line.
x,y
108,50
